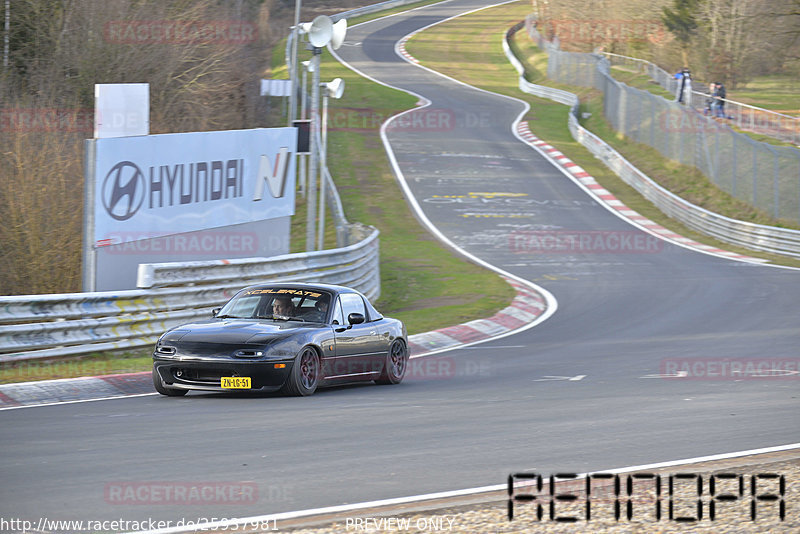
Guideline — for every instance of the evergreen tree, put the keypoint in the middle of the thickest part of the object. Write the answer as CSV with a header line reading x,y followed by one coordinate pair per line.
x,y
681,22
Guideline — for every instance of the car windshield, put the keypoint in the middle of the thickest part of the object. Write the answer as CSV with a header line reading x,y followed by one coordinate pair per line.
x,y
278,303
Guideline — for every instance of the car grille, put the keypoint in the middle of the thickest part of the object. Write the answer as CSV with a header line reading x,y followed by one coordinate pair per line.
x,y
220,350
206,376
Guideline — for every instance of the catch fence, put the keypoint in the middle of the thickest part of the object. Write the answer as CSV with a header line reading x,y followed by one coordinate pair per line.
x,y
765,176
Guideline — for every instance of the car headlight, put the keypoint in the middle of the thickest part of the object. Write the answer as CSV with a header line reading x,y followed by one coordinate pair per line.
x,y
248,353
165,350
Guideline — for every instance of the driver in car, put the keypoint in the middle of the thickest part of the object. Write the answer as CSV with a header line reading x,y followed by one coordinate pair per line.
x,y
283,306
320,310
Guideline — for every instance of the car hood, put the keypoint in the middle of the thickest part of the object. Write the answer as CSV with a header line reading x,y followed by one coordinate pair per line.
x,y
235,331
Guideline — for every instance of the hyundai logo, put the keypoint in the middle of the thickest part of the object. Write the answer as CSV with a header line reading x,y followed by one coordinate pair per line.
x,y
274,176
124,190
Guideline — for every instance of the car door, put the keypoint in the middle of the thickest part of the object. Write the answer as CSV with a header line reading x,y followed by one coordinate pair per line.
x,y
358,354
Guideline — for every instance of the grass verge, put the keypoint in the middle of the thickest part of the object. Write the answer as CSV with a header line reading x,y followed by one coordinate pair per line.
x,y
478,37
106,363
776,92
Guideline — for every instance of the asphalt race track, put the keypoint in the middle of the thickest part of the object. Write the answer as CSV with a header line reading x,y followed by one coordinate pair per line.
x,y
580,392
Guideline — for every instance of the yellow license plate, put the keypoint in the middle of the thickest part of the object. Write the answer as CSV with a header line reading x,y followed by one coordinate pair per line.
x,y
236,382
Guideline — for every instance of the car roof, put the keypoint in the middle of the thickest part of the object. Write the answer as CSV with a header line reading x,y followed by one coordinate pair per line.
x,y
331,288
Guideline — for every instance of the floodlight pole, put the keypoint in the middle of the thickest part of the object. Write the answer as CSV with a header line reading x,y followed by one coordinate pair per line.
x,y
323,168
303,115
332,89
304,94
293,66
311,196
321,32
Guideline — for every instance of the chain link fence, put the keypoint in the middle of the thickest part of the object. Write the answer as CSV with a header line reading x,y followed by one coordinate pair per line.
x,y
743,116
763,175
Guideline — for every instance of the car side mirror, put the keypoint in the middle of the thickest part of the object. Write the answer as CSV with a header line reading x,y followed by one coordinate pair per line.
x,y
355,318
215,311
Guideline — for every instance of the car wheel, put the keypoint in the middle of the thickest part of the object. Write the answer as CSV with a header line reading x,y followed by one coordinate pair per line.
x,y
394,368
169,392
305,375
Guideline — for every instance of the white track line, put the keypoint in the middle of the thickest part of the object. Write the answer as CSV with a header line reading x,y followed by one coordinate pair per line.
x,y
58,403
266,519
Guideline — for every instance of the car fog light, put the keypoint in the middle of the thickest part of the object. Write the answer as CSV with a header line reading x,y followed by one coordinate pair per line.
x,y
248,353
179,373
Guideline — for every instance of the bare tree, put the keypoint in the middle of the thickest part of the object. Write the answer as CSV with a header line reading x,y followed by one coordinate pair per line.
x,y
59,50
781,22
731,37
40,198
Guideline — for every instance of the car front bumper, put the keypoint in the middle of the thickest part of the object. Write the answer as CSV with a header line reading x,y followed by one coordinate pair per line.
x,y
201,374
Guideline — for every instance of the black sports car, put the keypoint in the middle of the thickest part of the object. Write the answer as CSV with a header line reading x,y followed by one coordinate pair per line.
x,y
290,337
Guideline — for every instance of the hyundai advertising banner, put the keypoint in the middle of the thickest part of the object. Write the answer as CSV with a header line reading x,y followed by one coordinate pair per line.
x,y
157,185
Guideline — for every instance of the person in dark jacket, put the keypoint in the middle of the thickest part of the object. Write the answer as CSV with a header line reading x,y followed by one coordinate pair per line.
x,y
719,96
684,86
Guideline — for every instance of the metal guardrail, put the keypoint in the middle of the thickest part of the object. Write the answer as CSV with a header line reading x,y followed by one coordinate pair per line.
x,y
47,326
306,266
754,236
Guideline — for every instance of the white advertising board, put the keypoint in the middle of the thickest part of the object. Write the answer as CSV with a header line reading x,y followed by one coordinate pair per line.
x,y
276,88
121,109
157,185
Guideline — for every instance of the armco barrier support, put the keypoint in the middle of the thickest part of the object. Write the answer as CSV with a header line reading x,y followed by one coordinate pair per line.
x,y
49,326
753,236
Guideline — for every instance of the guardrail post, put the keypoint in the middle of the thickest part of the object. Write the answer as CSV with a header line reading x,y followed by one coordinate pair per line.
x,y
775,197
755,176
733,162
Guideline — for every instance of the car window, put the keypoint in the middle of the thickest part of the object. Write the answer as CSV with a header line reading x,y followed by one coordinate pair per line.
x,y
337,317
258,302
244,306
352,303
304,306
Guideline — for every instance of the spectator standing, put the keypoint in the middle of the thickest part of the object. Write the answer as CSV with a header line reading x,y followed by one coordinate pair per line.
x,y
679,92
712,88
685,86
720,95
